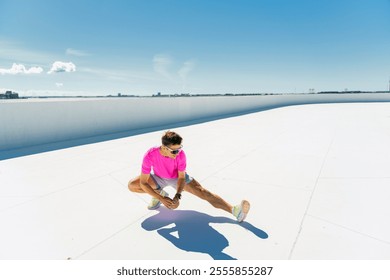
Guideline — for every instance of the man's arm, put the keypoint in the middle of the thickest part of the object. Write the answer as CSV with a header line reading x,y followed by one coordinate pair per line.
x,y
181,182
144,182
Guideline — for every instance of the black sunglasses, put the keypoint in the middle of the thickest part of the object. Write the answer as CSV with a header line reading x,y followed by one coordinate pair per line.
x,y
175,152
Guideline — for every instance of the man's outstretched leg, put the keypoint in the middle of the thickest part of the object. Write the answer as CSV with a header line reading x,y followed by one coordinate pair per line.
x,y
239,211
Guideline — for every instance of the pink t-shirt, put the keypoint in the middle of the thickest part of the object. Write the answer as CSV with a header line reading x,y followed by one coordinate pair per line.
x,y
164,167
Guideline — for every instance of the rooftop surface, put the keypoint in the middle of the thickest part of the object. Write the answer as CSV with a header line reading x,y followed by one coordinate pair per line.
x,y
317,177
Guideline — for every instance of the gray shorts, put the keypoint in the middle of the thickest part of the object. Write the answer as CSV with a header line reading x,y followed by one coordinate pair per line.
x,y
165,182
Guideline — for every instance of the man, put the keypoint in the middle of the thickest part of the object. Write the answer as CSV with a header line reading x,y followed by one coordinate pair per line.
x,y
168,163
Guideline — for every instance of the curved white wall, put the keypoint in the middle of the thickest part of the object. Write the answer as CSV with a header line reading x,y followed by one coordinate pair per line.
x,y
32,122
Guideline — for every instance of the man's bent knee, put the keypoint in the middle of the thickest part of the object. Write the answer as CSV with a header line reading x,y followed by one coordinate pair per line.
x,y
133,186
130,185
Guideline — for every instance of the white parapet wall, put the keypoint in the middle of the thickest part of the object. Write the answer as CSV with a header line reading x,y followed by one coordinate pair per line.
x,y
29,122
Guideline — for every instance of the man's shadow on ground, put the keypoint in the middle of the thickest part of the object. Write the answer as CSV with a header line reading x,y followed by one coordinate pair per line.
x,y
194,231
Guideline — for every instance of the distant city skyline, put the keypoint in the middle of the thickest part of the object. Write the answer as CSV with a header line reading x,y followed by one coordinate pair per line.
x,y
89,48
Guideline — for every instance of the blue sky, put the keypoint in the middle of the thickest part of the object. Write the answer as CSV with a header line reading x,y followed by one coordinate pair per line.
x,y
83,47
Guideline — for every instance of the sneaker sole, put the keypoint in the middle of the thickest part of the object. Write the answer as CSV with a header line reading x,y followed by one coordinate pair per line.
x,y
165,194
155,207
245,206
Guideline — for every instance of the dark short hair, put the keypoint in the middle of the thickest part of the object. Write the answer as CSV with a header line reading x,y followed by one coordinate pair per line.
x,y
171,138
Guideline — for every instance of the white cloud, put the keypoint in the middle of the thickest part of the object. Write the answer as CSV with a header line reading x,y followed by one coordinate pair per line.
x,y
60,66
183,72
74,52
161,64
21,69
59,85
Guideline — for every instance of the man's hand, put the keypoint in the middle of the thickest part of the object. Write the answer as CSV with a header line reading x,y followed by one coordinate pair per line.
x,y
175,203
167,202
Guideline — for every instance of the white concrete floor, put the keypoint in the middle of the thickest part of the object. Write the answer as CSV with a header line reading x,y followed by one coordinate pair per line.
x,y
317,177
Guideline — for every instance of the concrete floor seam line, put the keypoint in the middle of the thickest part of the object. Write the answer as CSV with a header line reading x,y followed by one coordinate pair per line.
x,y
349,229
17,205
73,186
142,198
349,178
115,179
226,166
269,184
311,196
111,236
49,194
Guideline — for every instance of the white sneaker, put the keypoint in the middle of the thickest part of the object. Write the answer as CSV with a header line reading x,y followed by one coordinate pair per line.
x,y
155,203
240,211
